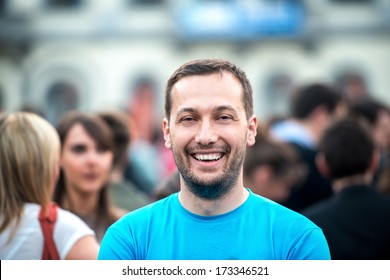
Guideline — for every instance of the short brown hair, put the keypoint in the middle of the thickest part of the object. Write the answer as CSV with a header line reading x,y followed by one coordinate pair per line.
x,y
206,67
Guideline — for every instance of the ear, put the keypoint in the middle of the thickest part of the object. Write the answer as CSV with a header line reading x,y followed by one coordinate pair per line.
x,y
263,174
167,135
252,131
259,179
320,115
374,162
322,166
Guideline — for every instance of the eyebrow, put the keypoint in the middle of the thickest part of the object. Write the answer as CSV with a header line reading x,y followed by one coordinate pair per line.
x,y
187,110
216,109
224,108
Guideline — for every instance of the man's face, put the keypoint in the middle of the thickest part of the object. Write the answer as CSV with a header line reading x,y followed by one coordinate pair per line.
x,y
208,133
381,130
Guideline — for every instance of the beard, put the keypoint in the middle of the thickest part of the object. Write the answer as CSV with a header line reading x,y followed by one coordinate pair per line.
x,y
218,186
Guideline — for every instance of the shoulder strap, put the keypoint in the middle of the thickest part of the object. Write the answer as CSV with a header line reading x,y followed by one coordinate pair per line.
x,y
47,219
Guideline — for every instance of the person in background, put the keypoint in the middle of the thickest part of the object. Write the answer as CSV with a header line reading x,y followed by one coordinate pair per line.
x,y
313,107
168,186
376,116
29,156
272,168
353,87
384,180
209,122
124,193
150,162
144,170
355,220
86,162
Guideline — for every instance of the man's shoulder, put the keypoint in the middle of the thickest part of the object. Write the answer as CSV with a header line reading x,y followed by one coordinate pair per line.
x,y
266,204
281,216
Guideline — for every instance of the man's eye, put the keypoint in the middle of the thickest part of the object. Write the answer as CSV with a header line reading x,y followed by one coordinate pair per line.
x,y
224,117
187,119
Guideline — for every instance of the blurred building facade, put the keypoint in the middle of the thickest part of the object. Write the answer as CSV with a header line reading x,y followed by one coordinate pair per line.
x,y
57,55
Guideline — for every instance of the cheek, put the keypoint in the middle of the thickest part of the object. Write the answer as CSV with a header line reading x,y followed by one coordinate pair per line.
x,y
106,161
71,170
69,164
179,140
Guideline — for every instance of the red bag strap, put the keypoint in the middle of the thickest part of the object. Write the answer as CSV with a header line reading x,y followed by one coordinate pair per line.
x,y
47,219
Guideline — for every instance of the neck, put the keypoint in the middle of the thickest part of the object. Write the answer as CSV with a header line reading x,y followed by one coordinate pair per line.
x,y
313,128
116,175
204,207
81,203
362,179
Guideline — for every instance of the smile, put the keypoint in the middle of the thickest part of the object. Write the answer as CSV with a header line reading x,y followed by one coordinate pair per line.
x,y
208,157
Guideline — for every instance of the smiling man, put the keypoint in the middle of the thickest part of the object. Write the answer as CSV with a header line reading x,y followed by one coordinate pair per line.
x,y
209,123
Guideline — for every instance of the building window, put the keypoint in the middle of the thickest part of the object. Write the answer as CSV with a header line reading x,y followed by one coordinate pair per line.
x,y
352,1
146,3
2,7
277,92
63,3
353,86
1,100
61,97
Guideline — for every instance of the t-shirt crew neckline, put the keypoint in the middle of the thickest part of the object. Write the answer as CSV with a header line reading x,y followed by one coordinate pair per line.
x,y
235,213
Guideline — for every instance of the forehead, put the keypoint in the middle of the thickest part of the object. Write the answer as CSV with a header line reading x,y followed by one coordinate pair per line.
x,y
77,133
201,91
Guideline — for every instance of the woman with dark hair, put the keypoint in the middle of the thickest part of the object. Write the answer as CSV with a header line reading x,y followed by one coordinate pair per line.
x,y
86,162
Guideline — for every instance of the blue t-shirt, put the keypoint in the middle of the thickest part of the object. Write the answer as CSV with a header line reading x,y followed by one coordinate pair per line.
x,y
259,229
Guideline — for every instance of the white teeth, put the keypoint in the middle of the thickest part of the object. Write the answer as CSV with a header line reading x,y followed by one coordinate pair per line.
x,y
208,157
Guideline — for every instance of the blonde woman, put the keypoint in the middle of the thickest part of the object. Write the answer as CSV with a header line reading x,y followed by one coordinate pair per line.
x,y
29,164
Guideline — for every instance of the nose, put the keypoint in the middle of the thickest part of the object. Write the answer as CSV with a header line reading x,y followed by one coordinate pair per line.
x,y
92,157
206,133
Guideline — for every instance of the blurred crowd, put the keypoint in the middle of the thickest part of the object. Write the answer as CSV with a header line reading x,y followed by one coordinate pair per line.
x,y
331,139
